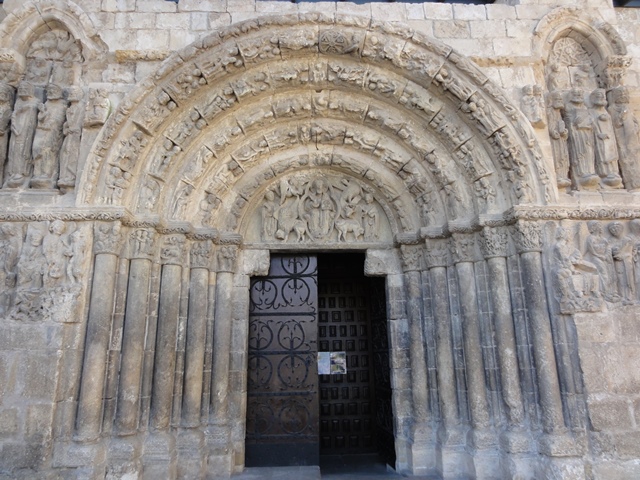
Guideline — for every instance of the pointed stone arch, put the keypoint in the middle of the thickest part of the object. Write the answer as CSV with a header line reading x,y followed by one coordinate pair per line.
x,y
441,122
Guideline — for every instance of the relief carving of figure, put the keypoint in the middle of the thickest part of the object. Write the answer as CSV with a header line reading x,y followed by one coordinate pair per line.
x,y
598,252
23,128
581,142
72,130
31,267
98,107
532,105
627,134
577,283
622,247
48,139
269,221
605,142
56,251
559,135
7,96
320,208
370,218
118,181
10,245
634,226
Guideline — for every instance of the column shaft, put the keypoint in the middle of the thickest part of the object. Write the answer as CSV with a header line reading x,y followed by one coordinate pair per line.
x,y
544,356
505,336
133,346
89,417
472,345
221,347
165,354
196,336
419,386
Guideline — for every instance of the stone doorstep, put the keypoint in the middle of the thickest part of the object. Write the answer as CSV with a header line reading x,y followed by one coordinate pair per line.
x,y
279,473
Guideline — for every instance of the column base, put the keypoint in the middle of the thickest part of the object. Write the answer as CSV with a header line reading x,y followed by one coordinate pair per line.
x,y
456,461
123,459
424,457
159,457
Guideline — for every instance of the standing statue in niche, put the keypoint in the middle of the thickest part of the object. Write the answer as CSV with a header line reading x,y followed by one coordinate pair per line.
x,y
559,135
23,128
622,252
606,151
598,252
581,148
7,96
72,130
627,133
634,226
48,139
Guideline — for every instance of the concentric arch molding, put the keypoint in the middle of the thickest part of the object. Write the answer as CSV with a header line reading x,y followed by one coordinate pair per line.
x,y
227,93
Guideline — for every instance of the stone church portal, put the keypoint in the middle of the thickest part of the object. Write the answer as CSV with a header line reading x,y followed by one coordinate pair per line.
x,y
240,233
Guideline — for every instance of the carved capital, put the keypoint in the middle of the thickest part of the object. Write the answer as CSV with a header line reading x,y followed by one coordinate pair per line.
x,y
141,242
615,70
493,242
173,249
463,247
201,254
437,253
227,256
527,236
108,238
411,255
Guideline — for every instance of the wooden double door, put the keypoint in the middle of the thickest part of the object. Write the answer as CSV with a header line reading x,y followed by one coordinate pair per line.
x,y
318,371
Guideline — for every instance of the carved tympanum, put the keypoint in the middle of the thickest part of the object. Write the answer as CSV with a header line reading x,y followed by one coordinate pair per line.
x,y
320,208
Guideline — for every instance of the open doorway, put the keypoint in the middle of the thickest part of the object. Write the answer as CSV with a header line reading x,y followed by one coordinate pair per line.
x,y
319,390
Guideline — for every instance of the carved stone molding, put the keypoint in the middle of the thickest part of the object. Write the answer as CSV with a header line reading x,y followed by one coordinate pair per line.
x,y
605,212
494,242
108,238
437,253
201,254
527,236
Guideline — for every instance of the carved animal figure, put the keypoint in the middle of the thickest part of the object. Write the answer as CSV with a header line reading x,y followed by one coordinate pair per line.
x,y
348,225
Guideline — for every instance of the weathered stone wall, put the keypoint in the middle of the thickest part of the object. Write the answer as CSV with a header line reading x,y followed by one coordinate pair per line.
x,y
141,188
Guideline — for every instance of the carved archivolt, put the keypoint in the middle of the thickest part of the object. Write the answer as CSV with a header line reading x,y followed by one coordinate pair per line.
x,y
219,110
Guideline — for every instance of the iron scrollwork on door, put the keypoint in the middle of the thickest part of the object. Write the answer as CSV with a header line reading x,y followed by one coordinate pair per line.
x,y
282,375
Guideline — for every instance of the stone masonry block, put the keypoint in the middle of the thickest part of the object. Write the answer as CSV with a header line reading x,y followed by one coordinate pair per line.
x,y
627,444
324,7
596,329
514,47
479,47
39,375
134,20
609,413
629,330
531,12
119,5
119,40
469,12
173,20
199,21
520,28
395,12
8,421
240,6
103,20
276,7
155,6
438,11
204,5
217,20
487,28
451,29
499,11
152,40
415,11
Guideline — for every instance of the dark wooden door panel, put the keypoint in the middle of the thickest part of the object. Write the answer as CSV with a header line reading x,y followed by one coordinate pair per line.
x,y
282,383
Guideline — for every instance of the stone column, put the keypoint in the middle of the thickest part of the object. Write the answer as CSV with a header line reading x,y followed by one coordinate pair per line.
x,y
142,246
423,448
201,255
107,246
464,252
171,256
494,248
226,257
437,258
529,245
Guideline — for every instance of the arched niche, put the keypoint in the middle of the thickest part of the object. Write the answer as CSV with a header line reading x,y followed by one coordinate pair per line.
x,y
214,110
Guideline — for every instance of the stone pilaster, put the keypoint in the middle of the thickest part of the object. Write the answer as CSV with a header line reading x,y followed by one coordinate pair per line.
x,y
142,247
201,257
171,257
108,243
528,241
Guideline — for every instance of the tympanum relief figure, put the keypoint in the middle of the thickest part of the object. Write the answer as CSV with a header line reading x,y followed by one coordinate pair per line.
x,y
319,208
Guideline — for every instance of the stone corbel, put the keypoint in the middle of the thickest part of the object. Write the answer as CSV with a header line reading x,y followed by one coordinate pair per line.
x,y
255,263
379,263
